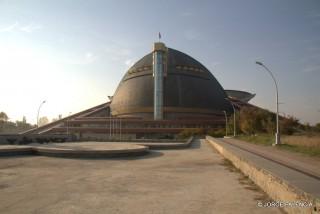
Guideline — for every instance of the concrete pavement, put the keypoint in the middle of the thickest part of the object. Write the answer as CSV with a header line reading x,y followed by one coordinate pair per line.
x,y
194,180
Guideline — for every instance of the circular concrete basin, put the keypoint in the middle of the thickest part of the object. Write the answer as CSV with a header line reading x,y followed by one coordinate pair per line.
x,y
91,149
9,150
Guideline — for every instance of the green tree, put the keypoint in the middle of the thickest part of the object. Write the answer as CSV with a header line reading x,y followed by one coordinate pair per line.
x,y
317,127
230,124
24,119
3,116
255,120
43,121
269,124
248,120
13,127
23,125
190,132
288,125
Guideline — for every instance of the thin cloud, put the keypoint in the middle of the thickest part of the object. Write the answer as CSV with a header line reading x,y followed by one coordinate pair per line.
x,y
90,58
311,58
192,34
9,28
311,69
124,52
186,14
18,27
117,53
129,62
215,64
30,28
85,59
314,14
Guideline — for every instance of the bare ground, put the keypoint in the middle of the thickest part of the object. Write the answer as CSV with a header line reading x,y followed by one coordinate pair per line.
x,y
195,180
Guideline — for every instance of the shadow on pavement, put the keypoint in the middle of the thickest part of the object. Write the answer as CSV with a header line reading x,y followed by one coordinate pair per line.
x,y
151,154
196,144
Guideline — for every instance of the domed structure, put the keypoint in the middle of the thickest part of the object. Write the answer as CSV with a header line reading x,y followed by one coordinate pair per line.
x,y
163,95
189,89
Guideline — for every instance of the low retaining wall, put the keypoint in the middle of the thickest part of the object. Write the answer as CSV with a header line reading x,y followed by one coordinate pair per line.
x,y
85,153
277,188
16,150
76,151
61,150
168,145
23,139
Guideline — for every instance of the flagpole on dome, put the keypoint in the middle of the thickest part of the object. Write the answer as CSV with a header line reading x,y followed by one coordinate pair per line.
x,y
159,35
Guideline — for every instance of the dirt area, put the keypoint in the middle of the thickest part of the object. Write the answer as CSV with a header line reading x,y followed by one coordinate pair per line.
x,y
195,180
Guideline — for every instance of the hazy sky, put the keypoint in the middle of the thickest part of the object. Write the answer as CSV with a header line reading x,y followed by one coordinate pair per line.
x,y
74,53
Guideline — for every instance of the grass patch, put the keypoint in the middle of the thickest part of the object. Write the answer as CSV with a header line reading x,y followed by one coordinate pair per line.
x,y
263,139
308,145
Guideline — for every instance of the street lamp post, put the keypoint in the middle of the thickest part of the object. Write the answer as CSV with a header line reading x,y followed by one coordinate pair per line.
x,y
68,124
234,119
225,114
43,102
277,140
110,127
120,128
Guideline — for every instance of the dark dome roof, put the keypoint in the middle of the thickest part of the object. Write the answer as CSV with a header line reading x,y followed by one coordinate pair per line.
x,y
189,88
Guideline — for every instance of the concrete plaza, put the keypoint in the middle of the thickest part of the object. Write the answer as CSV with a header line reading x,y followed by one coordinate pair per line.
x,y
194,180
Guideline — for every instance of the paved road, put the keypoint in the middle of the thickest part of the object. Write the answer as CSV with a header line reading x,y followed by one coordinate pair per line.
x,y
304,163
298,170
195,180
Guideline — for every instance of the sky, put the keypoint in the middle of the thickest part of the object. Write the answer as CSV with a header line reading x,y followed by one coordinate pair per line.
x,y
74,53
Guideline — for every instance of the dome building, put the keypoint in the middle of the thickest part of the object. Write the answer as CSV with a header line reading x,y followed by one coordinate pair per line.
x,y
161,95
189,89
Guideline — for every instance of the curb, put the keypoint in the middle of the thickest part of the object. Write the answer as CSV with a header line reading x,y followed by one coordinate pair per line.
x,y
277,188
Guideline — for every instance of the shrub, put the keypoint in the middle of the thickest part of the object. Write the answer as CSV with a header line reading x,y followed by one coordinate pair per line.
x,y
11,140
186,133
255,120
216,133
288,125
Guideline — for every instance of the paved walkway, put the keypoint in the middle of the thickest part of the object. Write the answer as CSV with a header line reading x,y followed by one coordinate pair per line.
x,y
299,170
195,180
